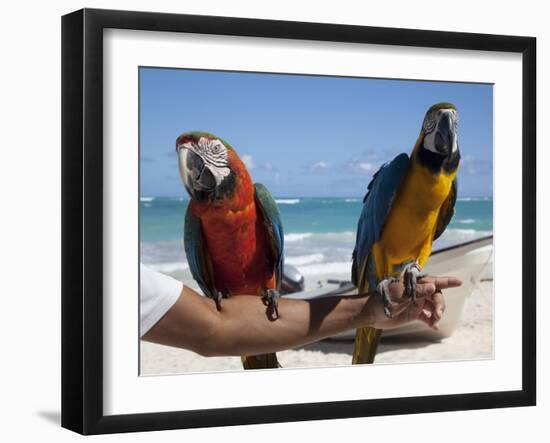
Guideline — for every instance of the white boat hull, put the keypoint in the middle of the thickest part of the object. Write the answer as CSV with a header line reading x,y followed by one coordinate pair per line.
x,y
470,262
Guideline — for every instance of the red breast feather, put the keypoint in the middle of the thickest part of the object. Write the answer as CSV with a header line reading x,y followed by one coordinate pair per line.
x,y
236,237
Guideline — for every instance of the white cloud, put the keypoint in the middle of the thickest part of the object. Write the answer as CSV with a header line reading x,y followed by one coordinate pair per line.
x,y
248,162
366,167
368,162
266,168
474,166
320,166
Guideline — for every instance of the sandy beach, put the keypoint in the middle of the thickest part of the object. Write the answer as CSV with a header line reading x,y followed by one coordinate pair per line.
x,y
471,339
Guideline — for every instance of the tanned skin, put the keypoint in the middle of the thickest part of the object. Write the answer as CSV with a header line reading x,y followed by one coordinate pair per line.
x,y
242,327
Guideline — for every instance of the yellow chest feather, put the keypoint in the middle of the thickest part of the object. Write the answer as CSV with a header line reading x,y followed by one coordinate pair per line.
x,y
408,232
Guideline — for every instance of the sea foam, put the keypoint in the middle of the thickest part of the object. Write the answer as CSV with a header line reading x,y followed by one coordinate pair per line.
x,y
301,260
168,267
297,236
287,201
473,199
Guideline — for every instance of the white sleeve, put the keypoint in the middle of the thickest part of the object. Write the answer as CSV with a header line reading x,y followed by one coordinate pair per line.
x,y
158,293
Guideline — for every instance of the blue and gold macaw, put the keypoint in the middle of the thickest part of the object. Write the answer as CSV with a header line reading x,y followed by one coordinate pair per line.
x,y
409,203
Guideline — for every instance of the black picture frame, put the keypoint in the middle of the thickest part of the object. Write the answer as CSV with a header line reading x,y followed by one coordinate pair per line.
x,y
82,217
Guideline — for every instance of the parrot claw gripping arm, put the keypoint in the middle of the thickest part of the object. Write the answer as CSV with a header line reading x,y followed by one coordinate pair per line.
x,y
411,273
384,290
218,301
270,298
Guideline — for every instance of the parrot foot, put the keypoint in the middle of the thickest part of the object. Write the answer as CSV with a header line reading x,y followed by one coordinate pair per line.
x,y
410,275
383,289
270,298
218,301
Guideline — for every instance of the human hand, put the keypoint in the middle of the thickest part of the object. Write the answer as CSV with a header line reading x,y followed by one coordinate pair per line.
x,y
429,309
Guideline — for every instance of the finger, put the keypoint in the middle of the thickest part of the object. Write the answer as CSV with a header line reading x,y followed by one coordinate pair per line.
x,y
439,305
433,318
397,291
442,282
426,313
437,301
425,289
428,317
407,309
415,312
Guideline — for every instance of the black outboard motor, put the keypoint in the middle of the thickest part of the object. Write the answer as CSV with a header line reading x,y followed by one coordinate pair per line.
x,y
293,281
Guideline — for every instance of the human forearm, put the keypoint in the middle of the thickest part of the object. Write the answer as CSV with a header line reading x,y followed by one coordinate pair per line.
x,y
303,322
242,327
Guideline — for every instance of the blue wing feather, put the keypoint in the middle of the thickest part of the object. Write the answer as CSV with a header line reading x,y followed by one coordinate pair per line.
x,y
197,256
447,211
274,228
376,206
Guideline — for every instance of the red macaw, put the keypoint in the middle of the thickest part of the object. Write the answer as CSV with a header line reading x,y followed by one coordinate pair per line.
x,y
233,230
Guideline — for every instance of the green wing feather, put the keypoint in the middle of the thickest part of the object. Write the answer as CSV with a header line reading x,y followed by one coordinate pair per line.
x,y
274,228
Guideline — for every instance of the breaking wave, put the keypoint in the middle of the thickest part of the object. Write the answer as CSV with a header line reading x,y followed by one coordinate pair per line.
x,y
301,260
297,236
168,267
287,201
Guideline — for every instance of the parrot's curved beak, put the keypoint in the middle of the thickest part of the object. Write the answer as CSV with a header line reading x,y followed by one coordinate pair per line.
x,y
195,174
445,136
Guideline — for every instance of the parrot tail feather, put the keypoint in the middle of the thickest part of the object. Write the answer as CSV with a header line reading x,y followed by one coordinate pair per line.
x,y
366,342
265,361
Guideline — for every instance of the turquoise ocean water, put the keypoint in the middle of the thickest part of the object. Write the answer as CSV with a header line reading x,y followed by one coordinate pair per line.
x,y
319,232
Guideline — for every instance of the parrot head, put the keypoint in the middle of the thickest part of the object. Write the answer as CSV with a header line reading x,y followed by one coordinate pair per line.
x,y
439,138
207,165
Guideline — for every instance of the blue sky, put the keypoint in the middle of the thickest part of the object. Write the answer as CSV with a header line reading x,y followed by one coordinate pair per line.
x,y
306,135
